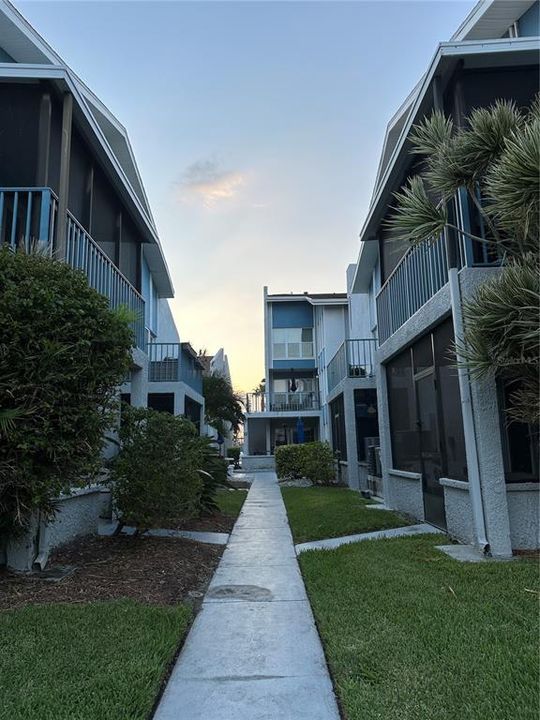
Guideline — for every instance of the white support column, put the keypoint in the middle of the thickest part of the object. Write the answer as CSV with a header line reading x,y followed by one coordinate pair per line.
x,y
350,435
384,432
268,438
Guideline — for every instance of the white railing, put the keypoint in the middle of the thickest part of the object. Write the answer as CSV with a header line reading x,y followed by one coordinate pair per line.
x,y
354,358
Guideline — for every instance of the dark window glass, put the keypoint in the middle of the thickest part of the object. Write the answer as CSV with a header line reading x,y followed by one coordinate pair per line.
x,y
367,424
192,410
164,402
423,354
520,442
403,427
337,417
453,438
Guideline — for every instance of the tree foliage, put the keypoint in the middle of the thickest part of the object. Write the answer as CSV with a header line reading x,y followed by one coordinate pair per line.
x,y
495,160
313,460
222,404
156,475
63,353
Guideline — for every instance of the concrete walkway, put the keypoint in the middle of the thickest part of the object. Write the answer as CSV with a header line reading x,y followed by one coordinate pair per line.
x,y
333,543
253,651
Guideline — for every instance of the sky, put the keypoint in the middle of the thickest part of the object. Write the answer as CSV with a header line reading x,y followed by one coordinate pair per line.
x,y
257,128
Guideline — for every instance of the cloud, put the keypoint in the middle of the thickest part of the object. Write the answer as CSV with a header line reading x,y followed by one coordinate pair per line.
x,y
206,181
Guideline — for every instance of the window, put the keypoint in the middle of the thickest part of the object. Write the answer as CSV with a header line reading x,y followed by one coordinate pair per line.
x,y
292,343
520,442
401,400
337,419
451,416
367,424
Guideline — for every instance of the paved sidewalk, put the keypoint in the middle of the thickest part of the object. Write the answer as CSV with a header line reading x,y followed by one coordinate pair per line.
x,y
253,652
333,543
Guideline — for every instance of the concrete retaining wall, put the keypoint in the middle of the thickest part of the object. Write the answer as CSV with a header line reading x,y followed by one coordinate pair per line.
x,y
252,463
406,492
523,513
78,514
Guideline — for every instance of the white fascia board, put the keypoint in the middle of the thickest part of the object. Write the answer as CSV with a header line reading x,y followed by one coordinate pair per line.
x,y
491,16
306,298
367,259
62,75
472,18
22,24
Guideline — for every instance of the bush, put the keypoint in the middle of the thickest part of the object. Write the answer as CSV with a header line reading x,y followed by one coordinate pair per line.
x,y
318,463
63,353
157,473
213,475
313,461
289,461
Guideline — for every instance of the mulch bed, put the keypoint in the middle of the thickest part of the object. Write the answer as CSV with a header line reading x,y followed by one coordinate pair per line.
x,y
211,523
159,571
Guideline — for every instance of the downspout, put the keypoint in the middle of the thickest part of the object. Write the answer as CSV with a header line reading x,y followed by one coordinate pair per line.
x,y
471,450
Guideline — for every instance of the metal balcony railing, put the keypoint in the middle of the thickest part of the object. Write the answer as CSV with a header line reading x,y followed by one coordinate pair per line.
x,y
420,273
282,402
27,218
167,365
28,221
83,253
354,358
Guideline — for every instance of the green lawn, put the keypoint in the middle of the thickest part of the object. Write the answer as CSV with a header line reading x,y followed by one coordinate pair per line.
x,y
317,513
412,635
230,502
98,661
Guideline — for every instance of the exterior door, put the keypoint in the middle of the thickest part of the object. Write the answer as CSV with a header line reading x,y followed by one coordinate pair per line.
x,y
430,448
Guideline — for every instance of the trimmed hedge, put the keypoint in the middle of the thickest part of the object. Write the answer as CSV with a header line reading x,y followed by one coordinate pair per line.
x,y
314,461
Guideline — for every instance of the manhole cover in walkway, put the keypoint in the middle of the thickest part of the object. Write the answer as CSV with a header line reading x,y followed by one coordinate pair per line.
x,y
241,592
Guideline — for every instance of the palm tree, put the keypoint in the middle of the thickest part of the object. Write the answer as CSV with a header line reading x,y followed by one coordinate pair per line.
x,y
494,158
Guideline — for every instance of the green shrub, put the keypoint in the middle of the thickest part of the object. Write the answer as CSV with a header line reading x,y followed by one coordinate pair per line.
x,y
289,461
318,463
157,473
314,461
63,353
213,475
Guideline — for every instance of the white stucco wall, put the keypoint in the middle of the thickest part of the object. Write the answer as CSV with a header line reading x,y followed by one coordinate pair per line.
x,y
167,331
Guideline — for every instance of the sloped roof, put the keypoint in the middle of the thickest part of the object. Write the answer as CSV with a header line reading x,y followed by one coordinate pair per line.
x,y
32,54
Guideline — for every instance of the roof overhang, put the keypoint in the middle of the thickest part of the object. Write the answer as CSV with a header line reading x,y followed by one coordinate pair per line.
x,y
307,298
61,78
474,54
491,19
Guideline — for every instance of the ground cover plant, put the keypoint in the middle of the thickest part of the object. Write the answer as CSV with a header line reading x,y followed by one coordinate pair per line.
x,y
314,461
86,661
316,513
63,353
411,634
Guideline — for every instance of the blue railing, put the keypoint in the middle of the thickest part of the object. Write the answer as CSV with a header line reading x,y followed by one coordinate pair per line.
x,y
83,253
423,270
353,359
28,221
167,363
27,218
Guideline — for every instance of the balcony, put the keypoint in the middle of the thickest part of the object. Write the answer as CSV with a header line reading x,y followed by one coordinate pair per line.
x,y
282,402
28,220
167,363
421,273
354,359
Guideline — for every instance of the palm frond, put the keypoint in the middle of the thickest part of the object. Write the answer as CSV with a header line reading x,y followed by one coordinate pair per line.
x,y
431,134
512,185
502,329
416,218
